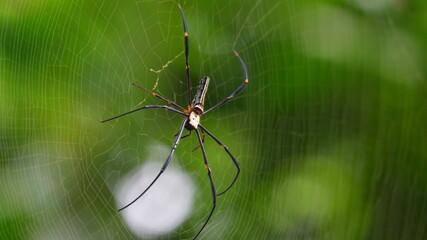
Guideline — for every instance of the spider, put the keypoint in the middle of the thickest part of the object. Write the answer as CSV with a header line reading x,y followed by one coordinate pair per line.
x,y
191,122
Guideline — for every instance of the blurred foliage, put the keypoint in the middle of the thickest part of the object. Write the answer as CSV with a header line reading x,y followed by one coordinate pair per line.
x,y
331,132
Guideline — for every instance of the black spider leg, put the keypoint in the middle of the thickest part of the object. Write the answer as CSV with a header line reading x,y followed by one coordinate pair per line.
x,y
186,50
160,97
205,158
229,154
186,135
203,141
146,107
165,165
239,89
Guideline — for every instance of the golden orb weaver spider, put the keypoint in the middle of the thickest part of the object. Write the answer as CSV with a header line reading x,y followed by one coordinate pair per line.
x,y
192,122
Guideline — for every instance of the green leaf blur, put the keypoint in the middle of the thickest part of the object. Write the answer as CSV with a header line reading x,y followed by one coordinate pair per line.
x,y
330,133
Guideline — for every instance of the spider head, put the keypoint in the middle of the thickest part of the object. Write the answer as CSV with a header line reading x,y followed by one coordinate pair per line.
x,y
199,98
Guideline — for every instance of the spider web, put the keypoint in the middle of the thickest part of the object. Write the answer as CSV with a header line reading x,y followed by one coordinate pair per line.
x,y
323,142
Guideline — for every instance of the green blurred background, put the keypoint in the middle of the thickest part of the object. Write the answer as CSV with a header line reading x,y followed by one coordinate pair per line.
x,y
330,134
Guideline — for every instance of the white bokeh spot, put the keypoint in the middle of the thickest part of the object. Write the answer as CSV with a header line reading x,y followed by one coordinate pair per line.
x,y
162,208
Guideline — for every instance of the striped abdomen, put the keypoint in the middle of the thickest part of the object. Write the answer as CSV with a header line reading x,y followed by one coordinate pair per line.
x,y
199,98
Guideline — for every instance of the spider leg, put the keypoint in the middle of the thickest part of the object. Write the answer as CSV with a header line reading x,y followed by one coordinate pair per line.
x,y
146,107
229,154
239,89
186,49
162,98
203,141
186,135
165,165
205,158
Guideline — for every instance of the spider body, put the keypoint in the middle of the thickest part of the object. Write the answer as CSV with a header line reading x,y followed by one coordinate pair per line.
x,y
191,122
197,105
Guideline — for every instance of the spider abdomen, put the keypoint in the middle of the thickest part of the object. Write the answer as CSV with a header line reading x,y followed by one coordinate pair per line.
x,y
199,98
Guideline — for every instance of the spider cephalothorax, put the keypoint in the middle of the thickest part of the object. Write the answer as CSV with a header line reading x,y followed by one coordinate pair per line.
x,y
191,122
